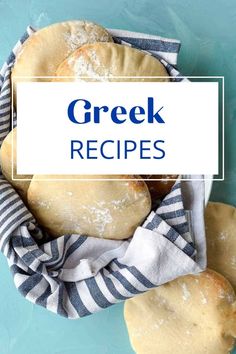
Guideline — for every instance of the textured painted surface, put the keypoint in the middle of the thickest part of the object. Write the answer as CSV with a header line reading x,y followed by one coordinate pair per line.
x,y
207,30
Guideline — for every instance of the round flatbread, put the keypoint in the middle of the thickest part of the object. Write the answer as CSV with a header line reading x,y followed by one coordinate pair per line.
x,y
44,50
19,182
106,61
194,314
220,222
108,209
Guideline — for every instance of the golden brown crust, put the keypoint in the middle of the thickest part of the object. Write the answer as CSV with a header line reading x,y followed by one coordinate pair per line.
x,y
192,314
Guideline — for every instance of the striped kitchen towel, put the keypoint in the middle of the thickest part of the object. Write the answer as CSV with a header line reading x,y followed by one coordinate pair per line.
x,y
75,275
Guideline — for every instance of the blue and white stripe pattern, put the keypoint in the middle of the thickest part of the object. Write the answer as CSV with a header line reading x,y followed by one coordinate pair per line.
x,y
75,275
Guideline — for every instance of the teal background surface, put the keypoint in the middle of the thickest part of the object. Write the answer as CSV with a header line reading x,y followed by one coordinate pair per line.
x,y
207,31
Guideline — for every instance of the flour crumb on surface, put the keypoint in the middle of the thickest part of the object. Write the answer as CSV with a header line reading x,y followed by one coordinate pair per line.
x,y
75,40
222,235
91,68
233,261
100,217
158,324
83,36
186,293
203,298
